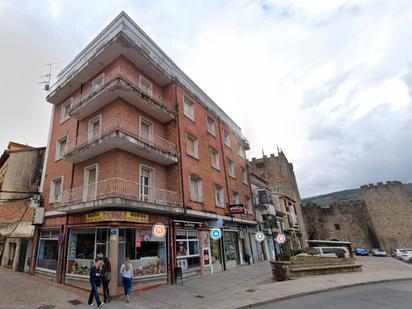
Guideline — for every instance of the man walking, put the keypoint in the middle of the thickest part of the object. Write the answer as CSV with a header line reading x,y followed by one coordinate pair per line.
x,y
95,283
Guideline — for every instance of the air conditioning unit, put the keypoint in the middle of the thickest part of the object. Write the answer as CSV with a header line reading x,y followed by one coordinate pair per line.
x,y
38,216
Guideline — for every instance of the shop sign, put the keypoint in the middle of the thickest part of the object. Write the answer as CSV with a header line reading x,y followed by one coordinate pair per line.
x,y
128,216
188,223
216,233
159,230
260,237
237,209
113,234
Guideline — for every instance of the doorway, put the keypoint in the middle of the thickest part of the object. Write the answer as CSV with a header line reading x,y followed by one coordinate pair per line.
x,y
216,255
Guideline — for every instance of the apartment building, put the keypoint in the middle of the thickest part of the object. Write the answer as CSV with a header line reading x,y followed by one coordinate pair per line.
x,y
141,163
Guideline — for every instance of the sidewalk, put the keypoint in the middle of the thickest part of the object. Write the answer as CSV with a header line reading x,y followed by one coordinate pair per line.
x,y
245,286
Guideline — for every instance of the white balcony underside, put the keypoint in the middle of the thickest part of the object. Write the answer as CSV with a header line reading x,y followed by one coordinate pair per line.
x,y
121,203
120,89
122,141
117,46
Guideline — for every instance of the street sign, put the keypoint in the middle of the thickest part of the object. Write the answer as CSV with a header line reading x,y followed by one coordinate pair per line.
x,y
60,239
280,239
260,236
159,230
216,233
236,209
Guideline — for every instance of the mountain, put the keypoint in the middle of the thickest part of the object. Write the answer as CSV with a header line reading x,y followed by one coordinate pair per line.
x,y
351,194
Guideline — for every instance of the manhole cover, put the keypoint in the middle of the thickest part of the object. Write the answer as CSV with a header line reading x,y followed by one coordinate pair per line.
x,y
75,302
250,290
200,296
46,307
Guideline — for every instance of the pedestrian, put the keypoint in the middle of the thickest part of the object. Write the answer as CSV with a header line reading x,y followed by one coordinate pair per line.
x,y
126,271
95,283
106,277
246,258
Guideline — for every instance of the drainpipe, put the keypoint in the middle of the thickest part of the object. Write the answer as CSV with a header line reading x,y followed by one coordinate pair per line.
x,y
180,148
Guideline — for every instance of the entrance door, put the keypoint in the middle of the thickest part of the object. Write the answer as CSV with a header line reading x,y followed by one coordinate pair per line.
x,y
146,184
216,255
231,245
12,252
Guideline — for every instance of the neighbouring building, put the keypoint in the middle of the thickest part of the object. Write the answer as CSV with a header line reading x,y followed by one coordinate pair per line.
x,y
135,145
20,174
380,217
280,178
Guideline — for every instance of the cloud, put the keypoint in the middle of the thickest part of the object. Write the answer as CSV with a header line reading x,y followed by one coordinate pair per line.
x,y
328,81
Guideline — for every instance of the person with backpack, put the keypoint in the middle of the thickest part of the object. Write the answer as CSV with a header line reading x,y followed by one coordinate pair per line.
x,y
95,283
106,275
126,270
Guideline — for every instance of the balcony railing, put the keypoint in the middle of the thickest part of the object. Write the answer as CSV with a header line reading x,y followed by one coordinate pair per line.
x,y
118,188
120,124
109,78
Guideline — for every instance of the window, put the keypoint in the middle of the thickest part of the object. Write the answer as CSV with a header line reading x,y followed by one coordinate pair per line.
x,y
61,148
231,168
146,183
90,183
48,249
214,158
235,198
65,109
94,128
56,190
187,249
240,149
98,82
195,188
337,227
248,204
244,176
226,139
188,109
146,85
146,130
211,128
192,146
219,196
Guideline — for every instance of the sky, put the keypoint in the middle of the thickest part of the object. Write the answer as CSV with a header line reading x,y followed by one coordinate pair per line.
x,y
328,81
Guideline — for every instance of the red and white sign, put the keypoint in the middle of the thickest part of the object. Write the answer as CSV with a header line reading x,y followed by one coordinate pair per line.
x,y
159,230
280,239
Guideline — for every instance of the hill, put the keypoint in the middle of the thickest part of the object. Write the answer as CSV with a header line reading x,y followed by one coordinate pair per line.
x,y
351,194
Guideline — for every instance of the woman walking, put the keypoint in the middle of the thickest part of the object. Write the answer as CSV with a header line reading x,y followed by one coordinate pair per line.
x,y
126,271
106,277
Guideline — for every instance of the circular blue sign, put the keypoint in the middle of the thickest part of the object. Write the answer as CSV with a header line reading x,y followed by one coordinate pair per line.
x,y
215,233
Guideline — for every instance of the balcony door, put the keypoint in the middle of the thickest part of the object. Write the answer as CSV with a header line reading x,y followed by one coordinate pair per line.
x,y
95,126
146,129
146,189
90,183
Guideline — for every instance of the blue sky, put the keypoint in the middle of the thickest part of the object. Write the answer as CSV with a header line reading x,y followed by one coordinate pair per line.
x,y
330,82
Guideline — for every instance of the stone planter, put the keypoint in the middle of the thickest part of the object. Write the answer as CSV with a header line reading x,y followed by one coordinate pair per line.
x,y
280,270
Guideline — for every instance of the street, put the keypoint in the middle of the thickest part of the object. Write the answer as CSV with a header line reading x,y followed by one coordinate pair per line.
x,y
380,295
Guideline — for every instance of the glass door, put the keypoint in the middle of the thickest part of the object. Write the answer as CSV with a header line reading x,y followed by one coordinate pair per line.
x,y
216,255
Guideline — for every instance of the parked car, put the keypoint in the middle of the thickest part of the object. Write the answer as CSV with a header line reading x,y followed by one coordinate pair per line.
x,y
398,252
379,252
405,256
361,251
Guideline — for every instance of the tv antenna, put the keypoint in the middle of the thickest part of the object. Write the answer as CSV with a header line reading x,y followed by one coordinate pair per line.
x,y
46,78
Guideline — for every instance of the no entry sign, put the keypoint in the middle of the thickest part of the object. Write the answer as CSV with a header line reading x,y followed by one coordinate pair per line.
x,y
280,239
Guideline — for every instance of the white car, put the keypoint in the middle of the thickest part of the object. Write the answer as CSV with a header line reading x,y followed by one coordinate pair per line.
x,y
406,255
379,252
398,252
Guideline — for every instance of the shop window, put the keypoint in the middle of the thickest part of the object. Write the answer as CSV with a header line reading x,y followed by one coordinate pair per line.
x,y
214,158
48,250
187,249
211,127
188,109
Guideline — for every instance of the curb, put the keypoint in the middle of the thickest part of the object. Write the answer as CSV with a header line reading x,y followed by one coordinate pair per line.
x,y
350,285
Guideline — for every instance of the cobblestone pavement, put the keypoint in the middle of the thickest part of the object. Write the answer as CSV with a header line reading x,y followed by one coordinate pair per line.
x,y
238,288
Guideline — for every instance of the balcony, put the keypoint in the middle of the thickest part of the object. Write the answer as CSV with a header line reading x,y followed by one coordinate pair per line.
x,y
118,192
116,84
121,134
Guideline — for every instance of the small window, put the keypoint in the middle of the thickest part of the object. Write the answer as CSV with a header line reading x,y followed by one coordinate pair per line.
x,y
248,205
244,176
94,128
188,109
211,127
195,188
240,149
98,82
61,148
214,158
337,227
219,196
192,146
226,139
56,189
146,129
65,110
146,85
235,198
90,183
231,168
